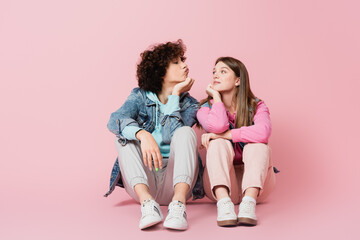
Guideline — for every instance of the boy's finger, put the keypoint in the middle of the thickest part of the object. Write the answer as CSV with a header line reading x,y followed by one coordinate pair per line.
x,y
155,160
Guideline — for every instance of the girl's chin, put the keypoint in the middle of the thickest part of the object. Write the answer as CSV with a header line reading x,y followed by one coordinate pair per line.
x,y
221,89
215,87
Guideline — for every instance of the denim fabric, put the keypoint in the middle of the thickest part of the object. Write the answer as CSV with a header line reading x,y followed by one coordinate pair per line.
x,y
139,111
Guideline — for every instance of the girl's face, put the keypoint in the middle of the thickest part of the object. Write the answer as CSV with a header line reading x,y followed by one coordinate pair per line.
x,y
177,71
224,79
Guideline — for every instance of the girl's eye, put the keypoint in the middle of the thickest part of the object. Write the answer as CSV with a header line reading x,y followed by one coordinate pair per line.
x,y
223,71
213,72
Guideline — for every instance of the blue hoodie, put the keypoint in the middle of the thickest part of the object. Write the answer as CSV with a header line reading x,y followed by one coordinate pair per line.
x,y
172,105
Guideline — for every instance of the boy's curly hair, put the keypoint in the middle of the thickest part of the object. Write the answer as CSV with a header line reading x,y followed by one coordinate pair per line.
x,y
154,63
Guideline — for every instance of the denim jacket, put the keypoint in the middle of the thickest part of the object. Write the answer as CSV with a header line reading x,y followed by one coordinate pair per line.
x,y
139,111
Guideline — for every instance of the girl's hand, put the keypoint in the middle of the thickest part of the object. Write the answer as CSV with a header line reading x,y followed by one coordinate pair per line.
x,y
183,86
213,93
150,150
205,139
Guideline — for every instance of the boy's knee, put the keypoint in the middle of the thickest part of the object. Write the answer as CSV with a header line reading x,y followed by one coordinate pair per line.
x,y
184,132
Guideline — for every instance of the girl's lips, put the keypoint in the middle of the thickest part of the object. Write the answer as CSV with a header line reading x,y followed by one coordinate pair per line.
x,y
215,82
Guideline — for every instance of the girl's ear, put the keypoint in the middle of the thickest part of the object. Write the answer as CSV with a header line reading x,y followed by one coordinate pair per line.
x,y
237,82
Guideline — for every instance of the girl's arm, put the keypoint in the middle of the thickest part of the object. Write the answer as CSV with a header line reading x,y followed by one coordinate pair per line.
x,y
257,133
213,119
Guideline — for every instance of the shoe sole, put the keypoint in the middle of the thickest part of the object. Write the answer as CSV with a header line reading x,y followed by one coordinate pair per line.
x,y
247,221
150,224
174,228
227,223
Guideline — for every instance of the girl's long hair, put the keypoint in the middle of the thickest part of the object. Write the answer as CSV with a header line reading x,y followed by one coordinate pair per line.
x,y
244,99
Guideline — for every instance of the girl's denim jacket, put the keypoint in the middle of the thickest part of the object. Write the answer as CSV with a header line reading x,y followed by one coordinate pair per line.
x,y
138,110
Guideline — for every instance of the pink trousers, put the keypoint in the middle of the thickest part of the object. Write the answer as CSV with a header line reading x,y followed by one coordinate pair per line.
x,y
257,170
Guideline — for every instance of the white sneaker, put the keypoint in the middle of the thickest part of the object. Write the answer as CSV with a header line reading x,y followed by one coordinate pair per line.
x,y
226,213
176,216
150,214
247,214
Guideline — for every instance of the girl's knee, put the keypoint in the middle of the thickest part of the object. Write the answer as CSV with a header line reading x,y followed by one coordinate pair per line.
x,y
219,144
257,147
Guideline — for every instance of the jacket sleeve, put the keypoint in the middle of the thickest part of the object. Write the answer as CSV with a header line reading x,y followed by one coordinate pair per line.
x,y
257,133
188,111
126,115
213,119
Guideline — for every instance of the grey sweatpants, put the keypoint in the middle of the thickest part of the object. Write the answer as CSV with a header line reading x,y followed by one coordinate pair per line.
x,y
180,167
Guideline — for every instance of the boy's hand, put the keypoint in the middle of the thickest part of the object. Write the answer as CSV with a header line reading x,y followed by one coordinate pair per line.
x,y
183,86
150,150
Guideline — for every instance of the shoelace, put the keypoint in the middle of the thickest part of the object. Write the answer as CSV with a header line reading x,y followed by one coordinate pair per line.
x,y
227,207
247,206
176,210
147,208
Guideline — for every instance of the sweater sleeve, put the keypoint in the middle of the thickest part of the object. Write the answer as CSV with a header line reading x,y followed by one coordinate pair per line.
x,y
213,119
257,133
129,132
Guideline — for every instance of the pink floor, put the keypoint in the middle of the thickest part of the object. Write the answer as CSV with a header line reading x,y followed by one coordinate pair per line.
x,y
84,214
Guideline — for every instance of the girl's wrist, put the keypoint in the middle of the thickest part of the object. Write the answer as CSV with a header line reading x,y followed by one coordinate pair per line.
x,y
226,135
217,98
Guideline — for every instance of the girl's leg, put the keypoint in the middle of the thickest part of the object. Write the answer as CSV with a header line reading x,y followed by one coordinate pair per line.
x,y
220,180
219,175
257,180
258,177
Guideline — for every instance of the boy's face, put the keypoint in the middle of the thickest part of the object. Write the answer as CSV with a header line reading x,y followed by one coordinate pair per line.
x,y
176,72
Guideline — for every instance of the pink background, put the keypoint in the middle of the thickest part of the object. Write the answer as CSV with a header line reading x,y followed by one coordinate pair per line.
x,y
66,65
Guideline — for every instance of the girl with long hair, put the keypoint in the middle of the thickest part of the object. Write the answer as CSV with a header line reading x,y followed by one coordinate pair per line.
x,y
238,165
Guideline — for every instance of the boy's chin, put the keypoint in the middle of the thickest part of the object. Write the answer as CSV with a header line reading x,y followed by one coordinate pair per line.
x,y
181,80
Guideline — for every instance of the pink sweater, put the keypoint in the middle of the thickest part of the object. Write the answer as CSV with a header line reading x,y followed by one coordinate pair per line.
x,y
216,120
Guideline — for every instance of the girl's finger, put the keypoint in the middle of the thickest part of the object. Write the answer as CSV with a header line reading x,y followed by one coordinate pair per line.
x,y
208,140
203,140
